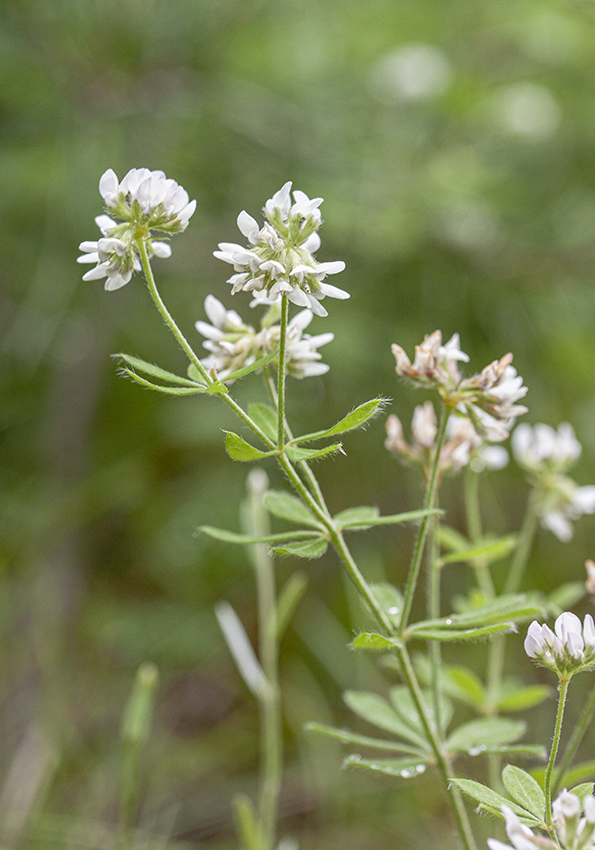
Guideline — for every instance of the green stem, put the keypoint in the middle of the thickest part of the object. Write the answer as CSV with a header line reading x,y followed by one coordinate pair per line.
x,y
271,732
474,527
554,751
282,368
523,550
575,740
433,607
431,488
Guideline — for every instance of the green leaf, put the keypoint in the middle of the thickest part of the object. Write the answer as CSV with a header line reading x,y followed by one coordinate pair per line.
x,y
565,597
361,517
379,712
535,750
245,539
468,686
246,821
524,790
285,506
371,640
194,374
160,389
289,599
238,449
582,790
406,768
217,388
452,539
487,731
506,608
157,372
492,802
524,698
406,709
390,600
245,370
266,419
420,632
346,736
309,549
485,551
358,417
296,455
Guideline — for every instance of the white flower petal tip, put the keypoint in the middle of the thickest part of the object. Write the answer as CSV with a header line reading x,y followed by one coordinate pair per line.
x,y
568,650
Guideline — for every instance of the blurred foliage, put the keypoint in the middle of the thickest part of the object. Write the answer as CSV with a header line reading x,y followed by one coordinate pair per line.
x,y
454,144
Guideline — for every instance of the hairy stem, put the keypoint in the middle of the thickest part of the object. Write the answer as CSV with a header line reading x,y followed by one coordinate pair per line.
x,y
554,751
282,369
575,740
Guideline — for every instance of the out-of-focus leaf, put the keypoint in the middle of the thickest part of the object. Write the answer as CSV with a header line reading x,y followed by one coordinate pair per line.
x,y
289,599
563,598
468,686
358,517
241,648
379,712
346,736
524,697
487,551
266,419
406,768
450,538
245,539
245,370
487,731
246,820
389,598
286,506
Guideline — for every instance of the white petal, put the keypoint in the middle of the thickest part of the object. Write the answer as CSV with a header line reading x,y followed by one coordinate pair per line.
x,y
298,297
312,243
248,226
316,306
334,291
116,281
331,268
301,320
215,310
108,186
162,249
97,273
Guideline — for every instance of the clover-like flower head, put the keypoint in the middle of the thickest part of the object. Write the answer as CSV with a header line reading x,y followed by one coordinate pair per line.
x,y
279,258
567,650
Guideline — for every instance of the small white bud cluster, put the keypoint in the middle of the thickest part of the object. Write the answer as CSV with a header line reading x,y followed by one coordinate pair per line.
x,y
488,399
567,650
463,445
279,259
234,345
546,455
573,831
142,202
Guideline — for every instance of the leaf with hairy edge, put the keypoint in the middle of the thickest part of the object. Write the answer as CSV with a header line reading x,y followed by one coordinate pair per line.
x,y
511,607
245,370
161,389
524,698
266,419
355,419
217,388
346,736
487,551
379,712
285,506
296,455
487,731
492,802
359,517
289,599
371,640
157,372
309,549
406,768
419,632
524,790
245,539
238,449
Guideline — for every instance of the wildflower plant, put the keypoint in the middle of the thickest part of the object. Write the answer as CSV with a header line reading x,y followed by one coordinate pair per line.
x,y
459,431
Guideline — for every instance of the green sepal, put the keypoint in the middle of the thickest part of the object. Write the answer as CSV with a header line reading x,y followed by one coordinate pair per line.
x,y
238,449
346,736
296,455
286,506
490,801
157,372
309,549
486,551
524,790
358,417
245,539
406,768
266,419
487,731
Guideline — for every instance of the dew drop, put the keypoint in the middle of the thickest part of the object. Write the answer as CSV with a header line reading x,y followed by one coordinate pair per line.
x,y
393,610
420,768
449,622
406,774
355,757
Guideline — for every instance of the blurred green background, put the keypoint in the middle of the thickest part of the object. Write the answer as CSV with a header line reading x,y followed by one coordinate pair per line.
x,y
454,146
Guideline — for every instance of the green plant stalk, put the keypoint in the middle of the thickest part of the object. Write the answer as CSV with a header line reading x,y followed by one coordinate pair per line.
x,y
128,806
574,741
364,590
271,729
433,607
282,370
418,550
474,527
554,752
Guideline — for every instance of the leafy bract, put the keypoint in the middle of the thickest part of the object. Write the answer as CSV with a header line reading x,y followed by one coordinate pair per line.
x,y
238,449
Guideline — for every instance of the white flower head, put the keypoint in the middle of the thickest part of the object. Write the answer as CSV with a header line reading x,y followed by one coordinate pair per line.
x,y
302,357
143,202
279,259
520,836
546,455
567,650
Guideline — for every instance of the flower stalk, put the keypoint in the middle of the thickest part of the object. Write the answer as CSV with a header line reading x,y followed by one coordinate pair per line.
x,y
563,690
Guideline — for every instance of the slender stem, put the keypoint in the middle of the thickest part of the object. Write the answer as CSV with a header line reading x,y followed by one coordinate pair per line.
x,y
431,488
554,751
575,741
282,370
523,550
474,526
271,732
167,317
433,606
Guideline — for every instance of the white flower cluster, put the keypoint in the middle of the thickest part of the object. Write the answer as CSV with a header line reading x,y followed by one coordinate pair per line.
x,y
462,446
569,649
488,399
279,259
573,831
546,455
141,202
234,345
